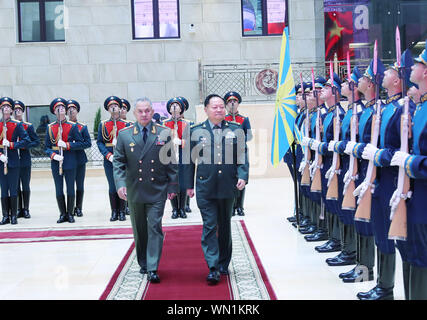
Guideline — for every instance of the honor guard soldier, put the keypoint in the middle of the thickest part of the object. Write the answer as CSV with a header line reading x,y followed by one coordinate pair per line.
x,y
25,162
62,140
415,165
73,108
365,256
330,93
176,107
108,131
13,137
233,101
124,109
386,182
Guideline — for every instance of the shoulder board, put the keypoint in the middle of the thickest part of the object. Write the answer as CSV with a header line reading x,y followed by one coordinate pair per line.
x,y
196,125
401,102
71,122
323,111
27,123
186,120
160,125
126,128
234,122
82,124
14,121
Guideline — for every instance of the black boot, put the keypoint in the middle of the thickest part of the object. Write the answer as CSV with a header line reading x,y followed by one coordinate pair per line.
x,y
62,209
365,258
5,210
181,204
240,199
406,268
127,209
418,283
385,282
333,244
13,210
79,203
113,206
187,205
175,212
348,245
70,208
122,208
20,211
26,204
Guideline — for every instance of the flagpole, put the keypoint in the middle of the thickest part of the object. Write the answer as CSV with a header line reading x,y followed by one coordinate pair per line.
x,y
297,205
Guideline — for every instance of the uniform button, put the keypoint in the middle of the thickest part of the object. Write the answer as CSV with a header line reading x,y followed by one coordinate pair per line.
x,y
220,162
152,161
140,161
152,179
219,154
219,171
218,147
201,178
140,170
152,170
140,179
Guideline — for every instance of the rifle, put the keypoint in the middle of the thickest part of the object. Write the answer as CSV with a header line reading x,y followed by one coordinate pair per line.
x,y
61,153
332,193
363,212
175,132
4,147
349,201
316,182
398,215
305,178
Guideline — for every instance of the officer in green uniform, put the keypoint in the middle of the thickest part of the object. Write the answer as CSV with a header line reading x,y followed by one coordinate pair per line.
x,y
145,176
222,171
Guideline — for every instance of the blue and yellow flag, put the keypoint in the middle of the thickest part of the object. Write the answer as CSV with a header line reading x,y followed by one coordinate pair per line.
x,y
286,108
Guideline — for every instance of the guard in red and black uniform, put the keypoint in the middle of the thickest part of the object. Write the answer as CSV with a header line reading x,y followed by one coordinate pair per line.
x,y
108,131
25,162
233,100
63,138
13,137
176,107
73,108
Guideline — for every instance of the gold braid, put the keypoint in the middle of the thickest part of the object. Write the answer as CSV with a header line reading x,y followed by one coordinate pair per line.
x,y
107,136
53,140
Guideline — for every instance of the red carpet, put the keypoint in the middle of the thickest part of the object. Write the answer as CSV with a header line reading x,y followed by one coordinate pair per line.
x,y
183,269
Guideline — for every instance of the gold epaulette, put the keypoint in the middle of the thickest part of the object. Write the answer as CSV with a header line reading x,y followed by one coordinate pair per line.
x,y
82,124
160,125
234,122
196,124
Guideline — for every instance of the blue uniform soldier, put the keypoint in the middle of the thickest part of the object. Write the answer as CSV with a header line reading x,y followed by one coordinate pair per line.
x,y
108,131
13,137
415,165
73,108
385,184
25,162
63,138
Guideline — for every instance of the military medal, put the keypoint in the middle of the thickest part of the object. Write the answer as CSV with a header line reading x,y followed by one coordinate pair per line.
x,y
131,145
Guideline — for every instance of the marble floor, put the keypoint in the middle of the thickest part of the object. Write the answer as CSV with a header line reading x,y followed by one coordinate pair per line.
x,y
71,270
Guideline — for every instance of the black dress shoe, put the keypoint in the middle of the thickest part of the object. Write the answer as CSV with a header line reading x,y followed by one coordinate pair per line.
x,y
329,246
360,274
62,218
213,276
292,219
234,212
153,277
310,229
5,220
175,214
187,209
26,213
319,235
240,212
377,293
114,215
182,214
347,274
78,212
223,271
143,270
343,259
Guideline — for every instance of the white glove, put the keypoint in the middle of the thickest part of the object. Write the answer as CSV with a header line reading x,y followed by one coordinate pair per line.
x,y
305,141
312,168
315,145
394,200
3,158
58,157
111,158
114,142
360,190
62,144
369,152
347,177
349,147
399,159
331,145
302,166
6,143
177,141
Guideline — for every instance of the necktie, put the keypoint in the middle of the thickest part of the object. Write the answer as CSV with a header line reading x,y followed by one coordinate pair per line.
x,y
216,127
144,136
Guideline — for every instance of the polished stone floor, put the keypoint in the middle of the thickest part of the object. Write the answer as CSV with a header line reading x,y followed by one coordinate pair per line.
x,y
70,270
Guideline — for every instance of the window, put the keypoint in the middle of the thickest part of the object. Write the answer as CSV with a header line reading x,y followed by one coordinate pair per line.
x,y
264,17
41,20
155,19
40,117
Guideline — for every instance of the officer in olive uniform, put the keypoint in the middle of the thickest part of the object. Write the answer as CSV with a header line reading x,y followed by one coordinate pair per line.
x,y
222,170
233,101
178,126
63,138
25,162
73,108
108,131
145,179
13,137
